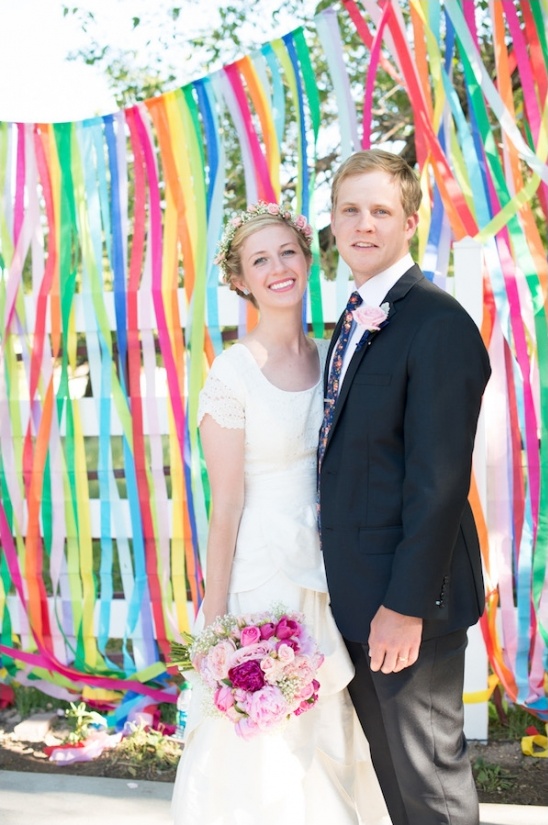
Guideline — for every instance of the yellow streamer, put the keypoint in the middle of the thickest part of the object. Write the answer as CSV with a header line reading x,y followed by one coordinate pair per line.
x,y
528,744
476,697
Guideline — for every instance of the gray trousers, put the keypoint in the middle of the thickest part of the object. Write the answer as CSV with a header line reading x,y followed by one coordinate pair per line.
x,y
413,721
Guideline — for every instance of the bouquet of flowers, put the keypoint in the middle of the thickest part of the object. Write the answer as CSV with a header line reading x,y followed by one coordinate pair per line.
x,y
258,669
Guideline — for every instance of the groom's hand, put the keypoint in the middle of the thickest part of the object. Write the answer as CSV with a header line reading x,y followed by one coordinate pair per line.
x,y
394,640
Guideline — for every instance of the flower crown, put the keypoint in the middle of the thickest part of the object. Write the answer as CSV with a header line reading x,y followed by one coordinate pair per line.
x,y
299,223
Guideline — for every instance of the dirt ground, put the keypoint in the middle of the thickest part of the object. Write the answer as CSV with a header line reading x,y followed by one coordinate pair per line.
x,y
512,778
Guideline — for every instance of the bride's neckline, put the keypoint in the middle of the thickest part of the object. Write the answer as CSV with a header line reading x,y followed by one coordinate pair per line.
x,y
275,386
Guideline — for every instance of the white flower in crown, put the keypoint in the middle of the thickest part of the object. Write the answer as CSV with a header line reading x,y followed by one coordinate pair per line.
x,y
372,318
298,222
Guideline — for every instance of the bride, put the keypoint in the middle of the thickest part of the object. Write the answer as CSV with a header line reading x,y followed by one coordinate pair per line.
x,y
259,415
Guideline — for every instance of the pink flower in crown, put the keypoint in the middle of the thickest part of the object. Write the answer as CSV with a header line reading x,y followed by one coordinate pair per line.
x,y
372,318
273,209
301,221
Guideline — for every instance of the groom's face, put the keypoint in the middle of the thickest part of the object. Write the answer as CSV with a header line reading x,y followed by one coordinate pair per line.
x,y
370,225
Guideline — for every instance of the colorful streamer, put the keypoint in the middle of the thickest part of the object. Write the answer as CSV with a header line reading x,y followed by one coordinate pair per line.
x,y
111,312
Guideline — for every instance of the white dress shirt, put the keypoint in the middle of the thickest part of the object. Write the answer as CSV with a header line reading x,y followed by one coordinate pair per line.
x,y
374,292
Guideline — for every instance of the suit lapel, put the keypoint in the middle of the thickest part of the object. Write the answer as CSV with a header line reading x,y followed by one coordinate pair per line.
x,y
394,296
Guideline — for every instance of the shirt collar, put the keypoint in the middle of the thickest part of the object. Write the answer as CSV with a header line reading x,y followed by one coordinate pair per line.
x,y
375,289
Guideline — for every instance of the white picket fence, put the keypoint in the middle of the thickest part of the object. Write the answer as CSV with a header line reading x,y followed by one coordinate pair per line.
x,y
466,285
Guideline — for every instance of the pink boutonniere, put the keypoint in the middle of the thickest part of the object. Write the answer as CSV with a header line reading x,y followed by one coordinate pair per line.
x,y
372,318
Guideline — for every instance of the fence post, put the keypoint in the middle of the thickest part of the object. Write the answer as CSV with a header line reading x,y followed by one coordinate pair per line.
x,y
468,290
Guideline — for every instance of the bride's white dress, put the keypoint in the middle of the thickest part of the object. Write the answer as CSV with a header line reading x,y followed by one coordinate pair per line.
x,y
317,769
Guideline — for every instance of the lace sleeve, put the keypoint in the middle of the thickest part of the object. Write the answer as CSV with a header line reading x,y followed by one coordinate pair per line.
x,y
220,400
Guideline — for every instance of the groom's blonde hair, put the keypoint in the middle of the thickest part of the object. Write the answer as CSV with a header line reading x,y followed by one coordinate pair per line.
x,y
371,160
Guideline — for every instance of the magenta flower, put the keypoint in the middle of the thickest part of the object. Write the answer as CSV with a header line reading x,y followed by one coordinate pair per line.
x,y
287,627
268,630
248,676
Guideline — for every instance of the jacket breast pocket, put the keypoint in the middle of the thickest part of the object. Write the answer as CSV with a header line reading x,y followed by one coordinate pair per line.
x,y
373,379
377,541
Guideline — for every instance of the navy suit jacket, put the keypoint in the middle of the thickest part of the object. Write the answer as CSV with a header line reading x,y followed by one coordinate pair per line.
x,y
397,528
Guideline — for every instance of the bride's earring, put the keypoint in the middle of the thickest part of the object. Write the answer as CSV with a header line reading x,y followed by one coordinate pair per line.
x,y
246,291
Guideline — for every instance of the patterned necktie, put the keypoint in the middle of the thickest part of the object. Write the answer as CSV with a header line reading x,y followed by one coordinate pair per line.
x,y
334,379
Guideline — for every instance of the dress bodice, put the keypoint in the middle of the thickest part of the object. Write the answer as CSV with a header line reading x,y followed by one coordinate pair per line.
x,y
278,525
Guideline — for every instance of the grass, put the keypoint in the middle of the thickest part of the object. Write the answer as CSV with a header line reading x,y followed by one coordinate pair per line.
x,y
149,753
29,700
508,721
142,752
491,778
146,751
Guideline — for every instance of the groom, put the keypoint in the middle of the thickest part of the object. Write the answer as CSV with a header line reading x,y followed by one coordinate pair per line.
x,y
399,540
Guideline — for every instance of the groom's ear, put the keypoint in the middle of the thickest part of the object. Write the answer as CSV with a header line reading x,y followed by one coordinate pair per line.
x,y
411,223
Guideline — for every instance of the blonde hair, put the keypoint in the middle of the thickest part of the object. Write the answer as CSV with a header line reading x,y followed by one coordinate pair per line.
x,y
371,160
232,261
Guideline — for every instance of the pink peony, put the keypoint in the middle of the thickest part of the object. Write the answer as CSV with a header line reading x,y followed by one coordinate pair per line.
x,y
246,728
267,706
273,669
248,676
300,221
218,660
370,317
273,209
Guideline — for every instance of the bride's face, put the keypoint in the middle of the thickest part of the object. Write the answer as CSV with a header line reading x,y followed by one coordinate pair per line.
x,y
274,267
